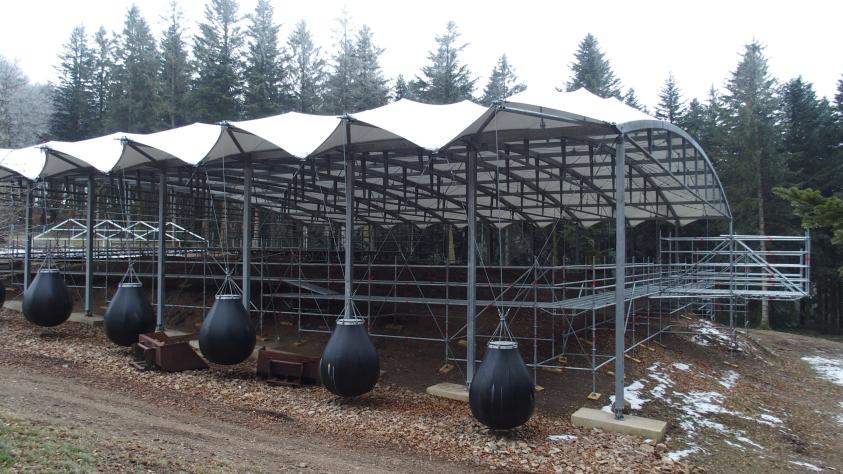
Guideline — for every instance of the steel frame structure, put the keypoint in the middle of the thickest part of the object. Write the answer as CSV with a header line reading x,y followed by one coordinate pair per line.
x,y
556,169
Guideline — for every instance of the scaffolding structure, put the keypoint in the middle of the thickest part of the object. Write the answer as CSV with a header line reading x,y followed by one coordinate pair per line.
x,y
408,211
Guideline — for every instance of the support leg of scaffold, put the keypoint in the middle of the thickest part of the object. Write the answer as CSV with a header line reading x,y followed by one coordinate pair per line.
x,y
620,274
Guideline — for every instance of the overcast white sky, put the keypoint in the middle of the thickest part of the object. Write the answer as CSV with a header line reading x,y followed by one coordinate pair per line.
x,y
698,41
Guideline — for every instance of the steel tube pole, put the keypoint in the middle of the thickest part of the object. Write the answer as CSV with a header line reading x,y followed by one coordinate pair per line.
x,y
620,272
732,276
162,247
807,262
247,234
349,220
89,249
471,295
27,246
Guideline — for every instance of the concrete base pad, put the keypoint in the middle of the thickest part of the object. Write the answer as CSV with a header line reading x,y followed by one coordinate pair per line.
x,y
449,390
633,425
17,305
81,318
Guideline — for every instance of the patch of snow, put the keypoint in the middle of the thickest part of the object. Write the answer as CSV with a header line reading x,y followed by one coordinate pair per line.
x,y
829,369
730,379
699,341
745,440
664,381
683,453
632,394
564,437
770,420
708,333
806,465
702,403
734,445
681,366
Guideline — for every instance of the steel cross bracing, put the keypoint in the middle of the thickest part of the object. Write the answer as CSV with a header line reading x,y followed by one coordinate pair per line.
x,y
402,193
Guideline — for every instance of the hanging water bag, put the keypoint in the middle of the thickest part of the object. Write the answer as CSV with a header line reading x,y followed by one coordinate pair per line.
x,y
128,315
349,366
47,302
227,336
502,394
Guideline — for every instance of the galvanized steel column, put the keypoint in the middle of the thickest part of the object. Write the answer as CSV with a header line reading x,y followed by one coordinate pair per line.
x,y
89,248
247,233
162,247
349,220
620,272
27,246
471,296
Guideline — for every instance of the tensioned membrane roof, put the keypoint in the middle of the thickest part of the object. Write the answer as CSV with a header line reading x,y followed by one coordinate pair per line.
x,y
541,157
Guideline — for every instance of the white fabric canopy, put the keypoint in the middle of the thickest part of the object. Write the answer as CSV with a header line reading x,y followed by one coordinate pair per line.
x,y
431,127
293,133
3,171
27,162
189,144
101,153
541,156
579,105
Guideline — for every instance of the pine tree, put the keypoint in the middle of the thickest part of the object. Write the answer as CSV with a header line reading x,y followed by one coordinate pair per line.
x,y
693,121
809,137
444,80
400,90
134,91
218,85
712,136
751,145
24,108
671,107
838,98
306,70
631,99
174,71
338,87
265,71
74,108
502,83
817,211
592,70
12,81
103,70
370,87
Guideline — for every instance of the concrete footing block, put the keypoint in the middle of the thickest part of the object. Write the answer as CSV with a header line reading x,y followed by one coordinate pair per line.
x,y
81,318
632,425
449,390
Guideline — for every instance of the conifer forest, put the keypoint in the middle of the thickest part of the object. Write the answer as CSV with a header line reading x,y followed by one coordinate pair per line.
x,y
775,142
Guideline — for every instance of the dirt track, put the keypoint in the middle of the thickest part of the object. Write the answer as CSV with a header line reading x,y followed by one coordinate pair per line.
x,y
72,385
126,432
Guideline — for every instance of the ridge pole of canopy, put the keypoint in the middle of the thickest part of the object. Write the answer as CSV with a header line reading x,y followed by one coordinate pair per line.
x,y
89,247
247,232
27,248
348,156
471,294
620,273
162,247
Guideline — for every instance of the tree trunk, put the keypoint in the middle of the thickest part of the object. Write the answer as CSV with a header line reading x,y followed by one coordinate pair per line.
x,y
762,229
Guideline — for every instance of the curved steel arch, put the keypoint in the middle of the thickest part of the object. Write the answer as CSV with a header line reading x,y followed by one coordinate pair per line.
x,y
643,125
